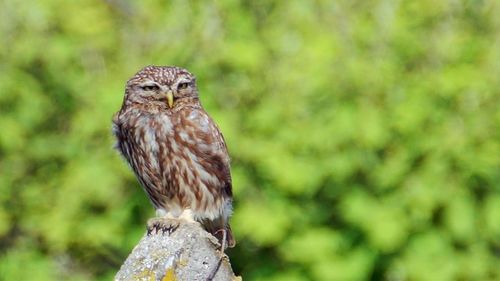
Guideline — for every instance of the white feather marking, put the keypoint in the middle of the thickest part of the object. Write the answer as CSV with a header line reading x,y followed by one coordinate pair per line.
x,y
151,147
162,213
204,124
192,116
165,123
150,140
183,136
174,146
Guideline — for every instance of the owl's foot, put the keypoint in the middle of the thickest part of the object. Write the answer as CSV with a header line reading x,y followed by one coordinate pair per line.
x,y
183,214
187,215
162,225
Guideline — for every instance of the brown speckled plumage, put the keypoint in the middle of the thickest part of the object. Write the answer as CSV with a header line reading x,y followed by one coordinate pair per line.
x,y
177,152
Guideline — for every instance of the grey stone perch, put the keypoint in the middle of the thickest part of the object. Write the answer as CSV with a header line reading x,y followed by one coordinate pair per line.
x,y
176,250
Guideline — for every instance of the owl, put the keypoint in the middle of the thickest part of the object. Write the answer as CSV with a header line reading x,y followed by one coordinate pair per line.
x,y
175,149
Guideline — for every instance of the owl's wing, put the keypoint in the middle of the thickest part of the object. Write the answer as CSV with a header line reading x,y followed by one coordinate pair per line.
x,y
211,152
210,147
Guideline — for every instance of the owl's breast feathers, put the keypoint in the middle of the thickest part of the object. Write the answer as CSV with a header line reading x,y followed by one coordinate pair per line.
x,y
180,159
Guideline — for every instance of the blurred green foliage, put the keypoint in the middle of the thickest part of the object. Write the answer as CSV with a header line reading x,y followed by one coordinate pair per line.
x,y
365,135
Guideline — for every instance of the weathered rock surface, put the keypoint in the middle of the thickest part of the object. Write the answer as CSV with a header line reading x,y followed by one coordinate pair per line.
x,y
176,250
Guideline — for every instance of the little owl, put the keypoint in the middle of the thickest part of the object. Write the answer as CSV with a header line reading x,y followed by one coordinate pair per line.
x,y
175,149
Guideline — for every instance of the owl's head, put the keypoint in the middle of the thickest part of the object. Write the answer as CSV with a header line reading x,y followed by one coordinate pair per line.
x,y
162,86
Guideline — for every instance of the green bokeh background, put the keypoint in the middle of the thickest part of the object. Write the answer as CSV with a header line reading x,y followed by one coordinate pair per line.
x,y
364,135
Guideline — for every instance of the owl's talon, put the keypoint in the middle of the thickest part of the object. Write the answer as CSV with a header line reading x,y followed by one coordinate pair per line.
x,y
165,230
163,226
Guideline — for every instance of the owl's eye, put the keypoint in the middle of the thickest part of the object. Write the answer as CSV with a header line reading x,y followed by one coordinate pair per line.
x,y
150,87
183,85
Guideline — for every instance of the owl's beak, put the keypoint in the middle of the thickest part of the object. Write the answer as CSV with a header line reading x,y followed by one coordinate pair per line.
x,y
170,99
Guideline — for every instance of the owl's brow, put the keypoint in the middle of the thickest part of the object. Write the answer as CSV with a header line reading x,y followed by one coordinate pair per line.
x,y
184,79
148,82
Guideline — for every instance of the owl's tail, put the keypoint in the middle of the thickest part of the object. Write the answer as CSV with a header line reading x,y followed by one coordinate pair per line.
x,y
214,227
